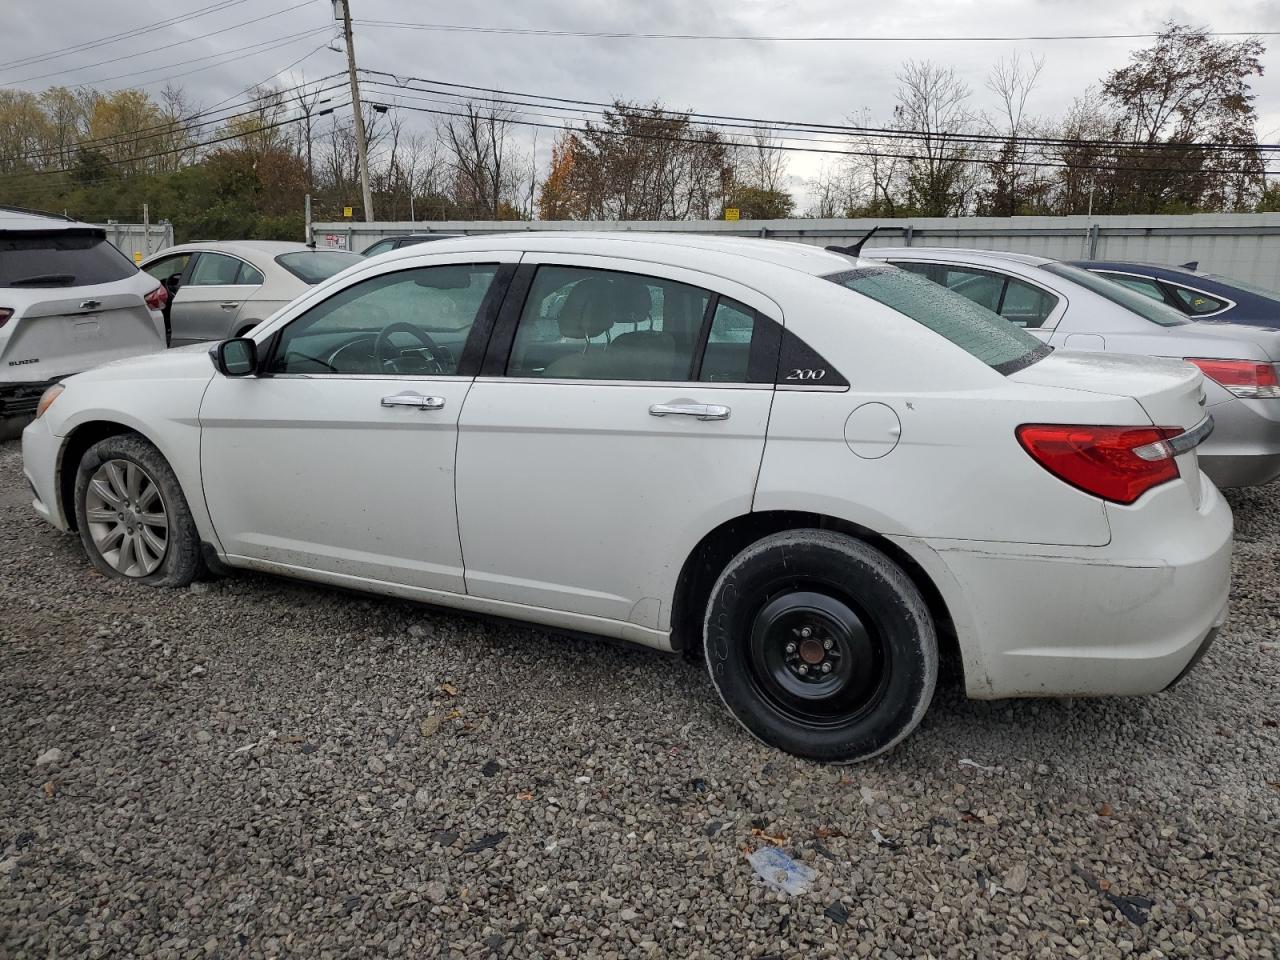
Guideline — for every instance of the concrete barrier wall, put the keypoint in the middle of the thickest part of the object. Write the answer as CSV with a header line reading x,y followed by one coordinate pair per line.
x,y
1246,246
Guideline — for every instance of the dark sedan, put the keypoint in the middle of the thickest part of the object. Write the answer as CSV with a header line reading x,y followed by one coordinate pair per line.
x,y
1199,295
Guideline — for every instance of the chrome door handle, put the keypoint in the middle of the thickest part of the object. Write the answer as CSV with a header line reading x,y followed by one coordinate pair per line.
x,y
229,304
415,400
679,408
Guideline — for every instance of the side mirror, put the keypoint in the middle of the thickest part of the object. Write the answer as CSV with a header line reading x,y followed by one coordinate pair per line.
x,y
237,357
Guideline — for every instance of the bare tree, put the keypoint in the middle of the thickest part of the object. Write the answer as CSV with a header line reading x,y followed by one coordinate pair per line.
x,y
933,104
486,163
1012,178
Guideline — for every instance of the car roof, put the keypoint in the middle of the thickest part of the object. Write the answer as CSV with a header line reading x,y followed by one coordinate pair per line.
x,y
20,218
1153,269
964,253
247,249
670,248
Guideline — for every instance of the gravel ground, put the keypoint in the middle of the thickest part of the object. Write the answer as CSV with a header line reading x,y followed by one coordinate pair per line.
x,y
258,768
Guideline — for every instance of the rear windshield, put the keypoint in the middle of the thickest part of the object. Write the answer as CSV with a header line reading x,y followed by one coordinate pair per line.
x,y
976,330
60,258
1245,285
312,266
1142,305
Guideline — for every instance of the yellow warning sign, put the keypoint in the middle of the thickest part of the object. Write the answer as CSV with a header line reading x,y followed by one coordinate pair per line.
x,y
137,256
346,211
731,213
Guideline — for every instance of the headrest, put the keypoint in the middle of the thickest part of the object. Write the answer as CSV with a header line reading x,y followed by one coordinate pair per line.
x,y
595,304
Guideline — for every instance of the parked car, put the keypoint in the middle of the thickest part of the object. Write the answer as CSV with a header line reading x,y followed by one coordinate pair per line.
x,y
69,301
1069,307
223,288
403,240
1199,295
555,428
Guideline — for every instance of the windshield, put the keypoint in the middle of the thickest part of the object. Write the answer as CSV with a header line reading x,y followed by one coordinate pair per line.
x,y
312,266
1131,300
976,330
62,258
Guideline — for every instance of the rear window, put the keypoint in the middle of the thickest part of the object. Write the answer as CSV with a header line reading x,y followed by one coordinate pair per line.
x,y
312,266
1143,306
60,258
974,329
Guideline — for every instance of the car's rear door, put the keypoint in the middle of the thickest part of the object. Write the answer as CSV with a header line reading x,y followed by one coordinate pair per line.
x,y
211,296
602,441
339,457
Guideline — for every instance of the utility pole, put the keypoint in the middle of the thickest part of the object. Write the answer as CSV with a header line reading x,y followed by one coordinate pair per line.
x,y
362,153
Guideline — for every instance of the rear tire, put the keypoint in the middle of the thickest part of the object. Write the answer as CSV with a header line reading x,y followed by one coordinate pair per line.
x,y
821,646
133,519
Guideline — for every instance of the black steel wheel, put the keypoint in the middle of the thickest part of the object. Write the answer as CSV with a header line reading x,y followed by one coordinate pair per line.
x,y
820,645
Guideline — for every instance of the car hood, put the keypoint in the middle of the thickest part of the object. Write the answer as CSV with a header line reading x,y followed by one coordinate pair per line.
x,y
180,363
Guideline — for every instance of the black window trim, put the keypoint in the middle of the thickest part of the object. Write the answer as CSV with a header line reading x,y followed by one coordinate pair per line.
x,y
501,339
472,349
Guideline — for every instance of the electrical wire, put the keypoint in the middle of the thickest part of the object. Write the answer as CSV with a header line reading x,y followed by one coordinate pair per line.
x,y
626,35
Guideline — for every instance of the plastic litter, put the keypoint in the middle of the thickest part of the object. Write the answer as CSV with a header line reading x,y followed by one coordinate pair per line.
x,y
966,762
779,872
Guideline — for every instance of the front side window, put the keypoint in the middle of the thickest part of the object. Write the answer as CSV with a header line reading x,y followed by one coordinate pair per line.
x,y
974,329
586,324
169,267
1145,307
409,323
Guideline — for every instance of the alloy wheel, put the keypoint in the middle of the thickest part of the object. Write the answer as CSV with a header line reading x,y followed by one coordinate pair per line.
x,y
127,518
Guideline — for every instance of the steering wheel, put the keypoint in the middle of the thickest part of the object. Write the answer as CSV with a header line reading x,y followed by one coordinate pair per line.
x,y
386,352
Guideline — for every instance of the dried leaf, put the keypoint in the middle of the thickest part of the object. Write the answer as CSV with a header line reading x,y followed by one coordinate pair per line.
x,y
450,689
524,796
50,789
827,833
1106,810
769,838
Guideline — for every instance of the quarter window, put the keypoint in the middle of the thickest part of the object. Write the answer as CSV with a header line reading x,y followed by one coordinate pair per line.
x,y
1197,303
409,323
1025,305
584,324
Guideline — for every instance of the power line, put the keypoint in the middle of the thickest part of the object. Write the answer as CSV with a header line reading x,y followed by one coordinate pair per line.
x,y
133,56
752,123
626,35
847,153
124,35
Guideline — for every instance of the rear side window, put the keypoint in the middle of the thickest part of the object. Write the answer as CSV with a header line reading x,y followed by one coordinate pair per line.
x,y
1018,302
312,266
63,258
977,331
1145,307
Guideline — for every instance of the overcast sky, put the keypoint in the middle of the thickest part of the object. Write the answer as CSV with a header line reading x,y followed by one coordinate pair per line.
x,y
815,82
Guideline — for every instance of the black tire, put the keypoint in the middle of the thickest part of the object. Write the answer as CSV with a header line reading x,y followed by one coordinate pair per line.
x,y
179,563
851,687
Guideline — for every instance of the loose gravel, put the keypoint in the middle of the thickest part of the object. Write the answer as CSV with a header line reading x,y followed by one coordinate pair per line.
x,y
258,768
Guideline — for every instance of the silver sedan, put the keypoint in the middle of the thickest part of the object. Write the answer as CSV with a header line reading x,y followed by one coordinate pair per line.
x,y
224,288
1074,309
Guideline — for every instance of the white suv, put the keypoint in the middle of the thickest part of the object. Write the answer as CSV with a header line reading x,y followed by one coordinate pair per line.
x,y
69,301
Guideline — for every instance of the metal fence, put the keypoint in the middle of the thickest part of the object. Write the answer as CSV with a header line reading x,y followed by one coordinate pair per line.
x,y
1246,246
137,241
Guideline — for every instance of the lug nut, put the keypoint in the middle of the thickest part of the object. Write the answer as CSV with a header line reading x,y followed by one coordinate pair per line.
x,y
803,669
791,648
807,632
827,644
826,668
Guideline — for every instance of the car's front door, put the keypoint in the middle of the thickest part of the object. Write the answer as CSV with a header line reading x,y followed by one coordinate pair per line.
x,y
339,456
211,296
601,440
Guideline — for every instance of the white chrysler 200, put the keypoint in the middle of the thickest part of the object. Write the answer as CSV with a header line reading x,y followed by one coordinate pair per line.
x,y
814,469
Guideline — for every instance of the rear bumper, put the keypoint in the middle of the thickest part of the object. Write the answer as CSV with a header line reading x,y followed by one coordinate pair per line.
x,y
1129,618
1244,450
20,399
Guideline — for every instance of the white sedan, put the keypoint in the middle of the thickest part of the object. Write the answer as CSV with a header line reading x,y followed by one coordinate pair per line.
x,y
819,472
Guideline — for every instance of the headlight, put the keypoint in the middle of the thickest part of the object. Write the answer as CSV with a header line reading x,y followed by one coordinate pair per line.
x,y
47,398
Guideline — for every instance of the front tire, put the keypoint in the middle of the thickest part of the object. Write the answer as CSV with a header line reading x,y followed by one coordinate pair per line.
x,y
132,517
821,646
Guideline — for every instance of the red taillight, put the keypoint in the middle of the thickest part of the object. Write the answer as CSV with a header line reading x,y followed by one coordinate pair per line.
x,y
1101,460
1247,379
157,298
5,314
